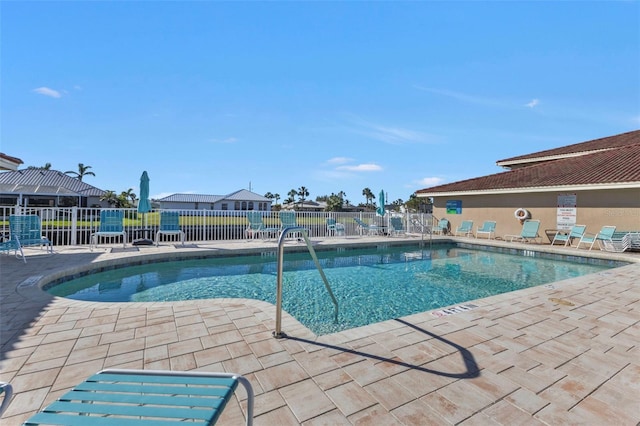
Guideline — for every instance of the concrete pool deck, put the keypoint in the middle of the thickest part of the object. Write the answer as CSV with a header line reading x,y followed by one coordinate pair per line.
x,y
566,353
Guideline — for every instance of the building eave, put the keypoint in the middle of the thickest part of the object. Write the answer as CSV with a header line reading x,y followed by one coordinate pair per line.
x,y
534,189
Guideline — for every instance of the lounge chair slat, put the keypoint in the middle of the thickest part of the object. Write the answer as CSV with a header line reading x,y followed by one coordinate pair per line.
x,y
176,380
129,410
216,391
176,400
77,420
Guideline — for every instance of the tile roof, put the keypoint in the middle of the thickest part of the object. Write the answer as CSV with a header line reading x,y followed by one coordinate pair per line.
x,y
42,181
618,167
610,142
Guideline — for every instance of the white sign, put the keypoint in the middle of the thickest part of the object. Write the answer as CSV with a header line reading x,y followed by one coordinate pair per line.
x,y
567,211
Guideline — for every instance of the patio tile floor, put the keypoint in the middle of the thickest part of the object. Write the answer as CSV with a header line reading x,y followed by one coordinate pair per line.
x,y
568,353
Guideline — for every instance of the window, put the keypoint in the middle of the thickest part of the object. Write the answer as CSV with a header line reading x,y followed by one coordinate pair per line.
x,y
237,205
250,205
244,205
224,206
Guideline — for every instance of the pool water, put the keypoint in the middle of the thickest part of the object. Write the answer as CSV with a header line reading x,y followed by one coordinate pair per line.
x,y
371,285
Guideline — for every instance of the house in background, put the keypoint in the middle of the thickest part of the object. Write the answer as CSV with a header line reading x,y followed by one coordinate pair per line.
x,y
47,188
241,200
593,183
9,163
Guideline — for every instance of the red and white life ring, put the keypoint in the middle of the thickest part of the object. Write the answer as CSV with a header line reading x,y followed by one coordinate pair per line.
x,y
522,214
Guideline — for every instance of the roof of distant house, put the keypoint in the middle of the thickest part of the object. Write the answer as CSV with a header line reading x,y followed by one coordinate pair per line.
x,y
586,166
240,195
45,182
8,162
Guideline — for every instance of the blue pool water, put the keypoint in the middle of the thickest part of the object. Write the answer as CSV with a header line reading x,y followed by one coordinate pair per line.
x,y
371,285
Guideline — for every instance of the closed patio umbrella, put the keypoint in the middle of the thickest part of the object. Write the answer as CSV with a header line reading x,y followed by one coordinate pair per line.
x,y
380,209
144,206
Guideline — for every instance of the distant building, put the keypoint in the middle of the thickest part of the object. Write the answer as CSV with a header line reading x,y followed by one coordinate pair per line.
x,y
241,200
9,163
46,188
594,183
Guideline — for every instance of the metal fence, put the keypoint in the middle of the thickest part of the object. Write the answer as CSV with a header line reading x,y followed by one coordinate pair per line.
x,y
74,225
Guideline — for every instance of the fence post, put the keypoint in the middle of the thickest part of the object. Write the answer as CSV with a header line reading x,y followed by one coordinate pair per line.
x,y
74,226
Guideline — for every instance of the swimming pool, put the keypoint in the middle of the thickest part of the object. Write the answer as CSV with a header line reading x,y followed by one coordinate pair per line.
x,y
371,284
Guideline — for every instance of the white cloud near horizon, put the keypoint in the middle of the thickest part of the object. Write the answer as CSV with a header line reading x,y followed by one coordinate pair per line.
x,y
533,103
368,167
45,91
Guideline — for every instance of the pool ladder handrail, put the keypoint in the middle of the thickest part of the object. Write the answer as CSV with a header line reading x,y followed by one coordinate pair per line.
x,y
278,334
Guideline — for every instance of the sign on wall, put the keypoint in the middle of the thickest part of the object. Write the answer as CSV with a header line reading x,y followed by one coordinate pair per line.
x,y
567,211
454,206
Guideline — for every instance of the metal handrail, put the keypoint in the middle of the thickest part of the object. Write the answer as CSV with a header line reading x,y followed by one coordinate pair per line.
x,y
278,334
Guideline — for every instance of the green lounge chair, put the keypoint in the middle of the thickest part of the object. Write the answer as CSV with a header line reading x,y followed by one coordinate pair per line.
x,y
25,231
287,220
334,228
577,232
146,397
169,225
7,390
257,227
442,227
111,225
488,228
366,228
397,227
605,234
529,232
466,228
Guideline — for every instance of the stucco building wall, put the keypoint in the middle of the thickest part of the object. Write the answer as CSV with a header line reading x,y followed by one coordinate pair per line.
x,y
619,207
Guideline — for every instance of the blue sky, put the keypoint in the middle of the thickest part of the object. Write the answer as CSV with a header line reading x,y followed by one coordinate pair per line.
x,y
212,97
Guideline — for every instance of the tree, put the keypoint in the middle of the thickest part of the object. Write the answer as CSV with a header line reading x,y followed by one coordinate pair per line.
x,y
368,195
302,193
47,166
334,203
130,195
110,197
276,196
82,172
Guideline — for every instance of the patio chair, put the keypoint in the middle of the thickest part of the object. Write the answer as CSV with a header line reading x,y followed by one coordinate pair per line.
x,y
7,390
12,244
334,228
287,220
529,232
466,228
622,241
442,227
396,226
365,228
605,234
488,228
577,232
111,225
169,225
146,397
257,227
25,231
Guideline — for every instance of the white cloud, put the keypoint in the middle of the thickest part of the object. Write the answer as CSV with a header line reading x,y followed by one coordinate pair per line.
x,y
370,167
430,181
48,92
464,97
388,134
227,140
533,103
339,160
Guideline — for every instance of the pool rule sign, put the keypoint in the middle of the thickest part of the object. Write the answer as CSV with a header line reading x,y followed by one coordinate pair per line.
x,y
567,211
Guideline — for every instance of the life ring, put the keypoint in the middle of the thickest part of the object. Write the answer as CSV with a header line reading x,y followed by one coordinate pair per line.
x,y
521,214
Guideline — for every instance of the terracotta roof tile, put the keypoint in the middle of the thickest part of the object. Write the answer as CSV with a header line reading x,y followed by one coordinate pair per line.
x,y
620,165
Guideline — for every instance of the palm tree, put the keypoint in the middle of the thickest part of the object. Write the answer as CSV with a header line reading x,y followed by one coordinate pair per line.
x,y
129,194
110,197
368,195
303,192
47,166
277,197
82,172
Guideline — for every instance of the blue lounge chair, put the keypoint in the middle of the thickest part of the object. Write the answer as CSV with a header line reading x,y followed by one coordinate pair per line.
x,y
465,228
7,390
366,228
287,220
577,232
257,227
334,228
528,234
26,231
442,227
622,241
111,225
12,245
146,397
605,234
488,228
169,225
396,226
